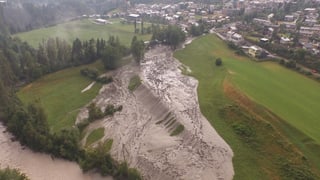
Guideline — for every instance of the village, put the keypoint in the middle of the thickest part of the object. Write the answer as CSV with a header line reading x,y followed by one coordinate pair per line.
x,y
286,29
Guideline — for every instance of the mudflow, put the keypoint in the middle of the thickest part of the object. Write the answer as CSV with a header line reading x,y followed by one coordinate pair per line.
x,y
142,131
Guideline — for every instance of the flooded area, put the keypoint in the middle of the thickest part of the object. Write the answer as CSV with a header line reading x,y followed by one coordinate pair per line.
x,y
142,131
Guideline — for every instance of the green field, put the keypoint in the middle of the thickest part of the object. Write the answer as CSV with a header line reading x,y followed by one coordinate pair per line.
x,y
94,136
291,96
60,94
83,29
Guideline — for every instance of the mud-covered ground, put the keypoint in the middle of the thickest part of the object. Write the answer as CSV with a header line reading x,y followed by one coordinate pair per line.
x,y
141,131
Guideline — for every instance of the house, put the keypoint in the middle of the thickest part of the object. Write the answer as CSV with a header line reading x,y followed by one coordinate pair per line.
x,y
289,26
254,51
285,40
310,22
264,40
309,31
101,21
133,17
234,37
289,18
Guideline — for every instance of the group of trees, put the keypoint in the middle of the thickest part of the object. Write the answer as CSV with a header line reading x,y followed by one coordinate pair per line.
x,y
113,52
170,35
197,30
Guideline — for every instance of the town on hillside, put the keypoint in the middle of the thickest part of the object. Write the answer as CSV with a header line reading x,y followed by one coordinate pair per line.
x,y
284,29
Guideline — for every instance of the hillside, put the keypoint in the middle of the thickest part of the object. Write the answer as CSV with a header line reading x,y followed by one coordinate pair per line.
x,y
242,97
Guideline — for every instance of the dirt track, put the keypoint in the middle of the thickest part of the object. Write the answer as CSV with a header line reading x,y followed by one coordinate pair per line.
x,y
141,131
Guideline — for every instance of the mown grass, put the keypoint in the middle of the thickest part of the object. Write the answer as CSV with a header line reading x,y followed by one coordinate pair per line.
x,y
83,29
292,97
94,136
135,82
60,94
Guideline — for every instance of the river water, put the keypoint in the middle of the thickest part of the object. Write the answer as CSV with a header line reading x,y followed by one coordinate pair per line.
x,y
39,166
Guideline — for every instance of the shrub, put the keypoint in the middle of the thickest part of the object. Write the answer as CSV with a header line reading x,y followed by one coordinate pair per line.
x,y
218,62
90,73
12,174
243,130
178,130
104,80
111,109
134,83
282,62
94,112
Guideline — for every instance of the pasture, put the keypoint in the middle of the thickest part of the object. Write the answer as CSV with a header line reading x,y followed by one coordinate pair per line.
x,y
84,29
60,94
290,96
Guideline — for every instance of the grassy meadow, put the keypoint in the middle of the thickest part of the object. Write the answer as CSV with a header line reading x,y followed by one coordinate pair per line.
x,y
83,29
94,136
60,94
283,117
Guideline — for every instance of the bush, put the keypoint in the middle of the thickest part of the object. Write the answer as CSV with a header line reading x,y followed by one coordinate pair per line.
x,y
178,130
111,109
90,73
94,112
218,62
134,83
282,62
243,130
12,174
104,80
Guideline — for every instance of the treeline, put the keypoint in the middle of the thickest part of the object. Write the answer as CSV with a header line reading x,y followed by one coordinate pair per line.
x,y
52,55
298,55
170,35
26,16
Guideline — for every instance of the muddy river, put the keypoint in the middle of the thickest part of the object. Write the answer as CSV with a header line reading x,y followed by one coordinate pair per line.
x,y
39,166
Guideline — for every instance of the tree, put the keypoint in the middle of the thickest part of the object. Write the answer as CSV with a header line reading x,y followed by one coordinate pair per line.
x,y
137,49
299,54
218,62
110,57
77,52
175,36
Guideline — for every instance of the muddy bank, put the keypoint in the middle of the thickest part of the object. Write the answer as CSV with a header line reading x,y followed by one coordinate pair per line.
x,y
141,131
38,166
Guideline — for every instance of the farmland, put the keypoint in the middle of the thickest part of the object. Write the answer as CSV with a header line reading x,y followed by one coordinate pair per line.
x,y
60,95
274,96
83,29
